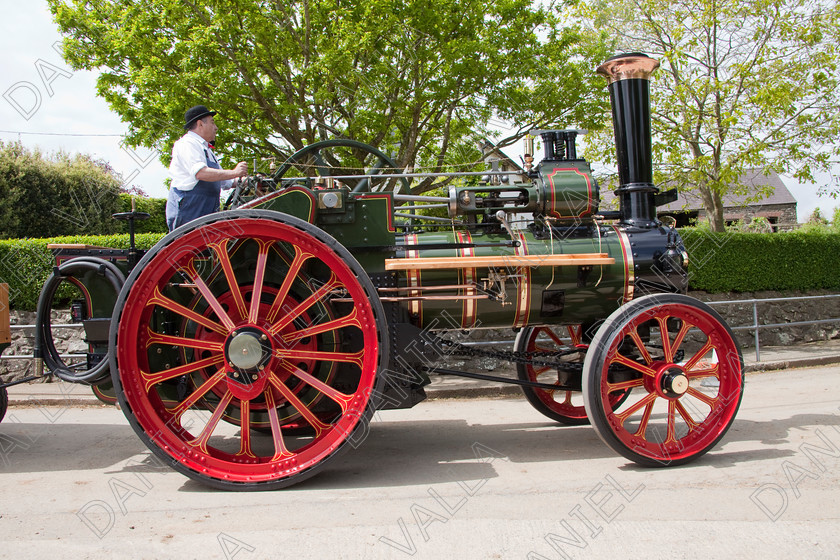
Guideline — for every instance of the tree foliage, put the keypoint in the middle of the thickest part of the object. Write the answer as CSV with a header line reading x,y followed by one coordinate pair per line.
x,y
62,195
415,78
743,84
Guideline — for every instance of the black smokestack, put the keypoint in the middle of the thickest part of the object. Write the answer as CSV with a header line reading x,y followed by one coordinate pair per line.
x,y
629,77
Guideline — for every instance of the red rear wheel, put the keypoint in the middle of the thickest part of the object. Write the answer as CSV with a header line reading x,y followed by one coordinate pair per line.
x,y
258,319
686,372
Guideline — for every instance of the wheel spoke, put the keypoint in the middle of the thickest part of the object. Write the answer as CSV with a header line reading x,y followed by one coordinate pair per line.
x,y
220,249
201,440
214,304
259,278
692,424
315,297
161,300
294,269
156,338
701,396
290,396
350,320
280,449
634,336
624,385
576,333
713,371
541,371
196,395
678,340
291,353
671,436
643,423
625,361
560,403
647,399
245,430
666,338
342,399
699,355
152,379
553,336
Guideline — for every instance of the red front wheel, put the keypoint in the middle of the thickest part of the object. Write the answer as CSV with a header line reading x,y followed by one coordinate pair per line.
x,y
244,320
685,370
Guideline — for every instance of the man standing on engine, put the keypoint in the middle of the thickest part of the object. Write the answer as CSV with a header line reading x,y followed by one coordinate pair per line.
x,y
197,177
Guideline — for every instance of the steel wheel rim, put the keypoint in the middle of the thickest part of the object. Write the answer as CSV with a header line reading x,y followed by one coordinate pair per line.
x,y
673,425
162,421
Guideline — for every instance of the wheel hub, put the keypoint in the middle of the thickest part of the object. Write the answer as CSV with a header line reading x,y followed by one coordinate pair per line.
x,y
247,352
673,382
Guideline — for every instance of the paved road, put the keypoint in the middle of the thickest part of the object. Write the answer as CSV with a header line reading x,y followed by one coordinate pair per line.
x,y
467,479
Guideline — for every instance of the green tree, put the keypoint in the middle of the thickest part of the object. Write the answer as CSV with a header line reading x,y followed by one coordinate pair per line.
x,y
817,217
743,84
62,195
414,78
835,219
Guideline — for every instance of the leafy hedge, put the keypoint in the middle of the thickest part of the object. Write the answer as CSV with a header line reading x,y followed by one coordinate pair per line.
x,y
25,264
62,195
748,262
155,207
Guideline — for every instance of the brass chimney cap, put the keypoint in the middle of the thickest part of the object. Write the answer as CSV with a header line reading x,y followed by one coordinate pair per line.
x,y
628,66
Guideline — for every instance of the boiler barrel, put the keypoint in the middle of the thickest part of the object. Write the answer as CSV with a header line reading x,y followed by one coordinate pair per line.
x,y
484,284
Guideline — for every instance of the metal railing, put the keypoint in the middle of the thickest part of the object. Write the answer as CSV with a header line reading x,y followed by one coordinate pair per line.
x,y
757,327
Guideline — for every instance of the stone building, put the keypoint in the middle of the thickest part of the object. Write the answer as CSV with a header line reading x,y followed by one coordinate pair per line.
x,y
779,208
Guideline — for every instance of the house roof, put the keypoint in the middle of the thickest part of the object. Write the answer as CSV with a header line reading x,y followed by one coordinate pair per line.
x,y
753,180
489,150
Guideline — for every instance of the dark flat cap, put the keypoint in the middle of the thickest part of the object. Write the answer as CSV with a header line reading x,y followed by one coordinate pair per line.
x,y
195,113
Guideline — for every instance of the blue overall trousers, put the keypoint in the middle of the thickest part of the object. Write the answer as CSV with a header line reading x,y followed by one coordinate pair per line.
x,y
203,199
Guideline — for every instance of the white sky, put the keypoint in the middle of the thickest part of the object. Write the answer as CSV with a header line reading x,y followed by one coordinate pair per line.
x,y
67,115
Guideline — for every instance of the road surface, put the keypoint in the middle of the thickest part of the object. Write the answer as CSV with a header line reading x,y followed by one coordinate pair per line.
x,y
467,479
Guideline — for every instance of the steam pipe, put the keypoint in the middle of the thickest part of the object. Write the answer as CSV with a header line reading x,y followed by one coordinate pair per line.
x,y
628,76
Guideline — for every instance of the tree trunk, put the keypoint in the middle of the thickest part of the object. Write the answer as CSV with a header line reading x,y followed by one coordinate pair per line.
x,y
713,203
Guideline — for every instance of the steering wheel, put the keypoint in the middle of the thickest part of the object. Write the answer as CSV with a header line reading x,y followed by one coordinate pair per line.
x,y
339,158
316,166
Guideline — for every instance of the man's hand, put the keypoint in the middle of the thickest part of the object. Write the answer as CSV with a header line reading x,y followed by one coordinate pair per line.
x,y
241,169
211,174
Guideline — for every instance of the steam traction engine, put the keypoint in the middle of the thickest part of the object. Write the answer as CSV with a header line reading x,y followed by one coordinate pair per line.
x,y
251,346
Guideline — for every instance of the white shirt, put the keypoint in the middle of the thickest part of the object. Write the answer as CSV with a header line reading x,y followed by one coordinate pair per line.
x,y
189,156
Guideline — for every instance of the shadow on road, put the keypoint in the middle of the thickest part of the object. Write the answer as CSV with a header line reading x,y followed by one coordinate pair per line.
x,y
394,453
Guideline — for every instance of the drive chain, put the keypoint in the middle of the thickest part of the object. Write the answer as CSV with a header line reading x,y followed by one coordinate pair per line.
x,y
511,355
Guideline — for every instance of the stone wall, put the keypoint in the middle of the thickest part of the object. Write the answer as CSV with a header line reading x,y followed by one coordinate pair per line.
x,y
736,314
789,311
